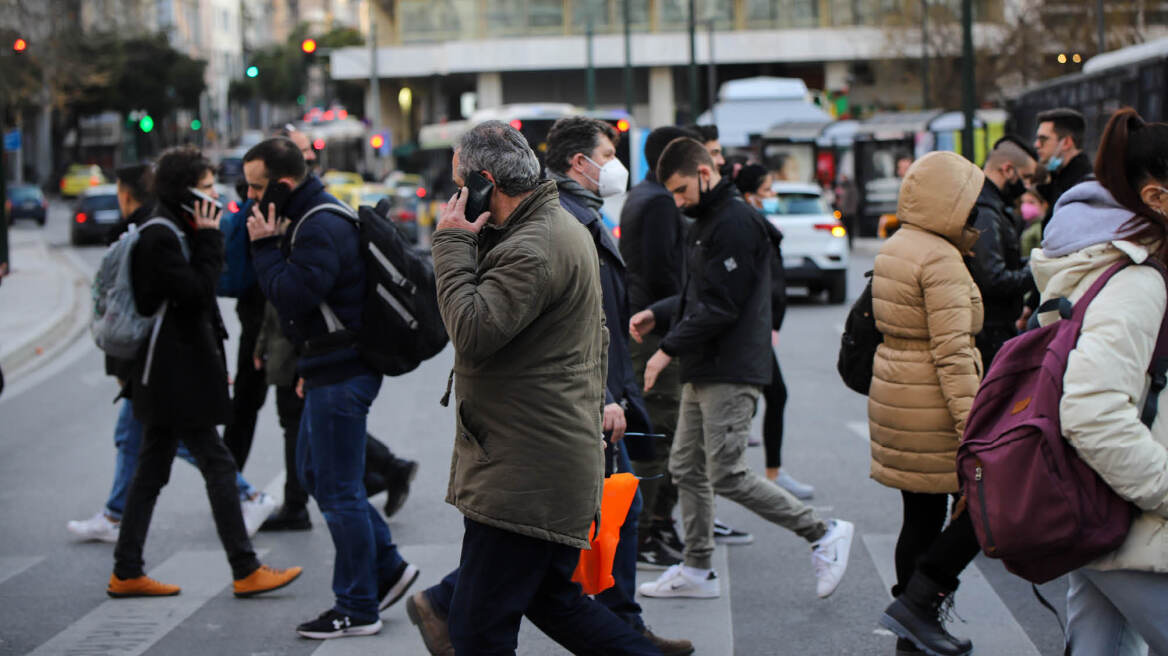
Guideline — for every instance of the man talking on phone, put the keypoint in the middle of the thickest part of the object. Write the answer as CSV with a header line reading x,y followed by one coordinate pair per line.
x,y
308,264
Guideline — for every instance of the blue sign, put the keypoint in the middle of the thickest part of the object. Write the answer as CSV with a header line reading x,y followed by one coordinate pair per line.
x,y
12,140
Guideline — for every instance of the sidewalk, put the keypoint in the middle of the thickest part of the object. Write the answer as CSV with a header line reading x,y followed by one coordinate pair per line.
x,y
44,304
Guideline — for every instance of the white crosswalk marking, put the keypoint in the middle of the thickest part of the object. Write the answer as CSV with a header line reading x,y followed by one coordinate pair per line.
x,y
10,566
989,624
859,428
129,627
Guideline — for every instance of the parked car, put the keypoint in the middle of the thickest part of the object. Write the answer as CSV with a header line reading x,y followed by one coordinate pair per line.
x,y
815,243
96,215
26,201
79,177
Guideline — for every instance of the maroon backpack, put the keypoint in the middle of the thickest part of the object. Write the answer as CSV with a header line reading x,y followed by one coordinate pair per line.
x,y
1032,501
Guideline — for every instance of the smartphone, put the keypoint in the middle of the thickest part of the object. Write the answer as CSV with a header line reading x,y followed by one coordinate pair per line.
x,y
276,194
194,196
478,199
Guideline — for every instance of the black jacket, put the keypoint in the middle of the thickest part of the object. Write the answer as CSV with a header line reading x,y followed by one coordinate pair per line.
x,y
652,243
778,276
720,325
1074,172
621,384
997,265
324,266
181,378
120,368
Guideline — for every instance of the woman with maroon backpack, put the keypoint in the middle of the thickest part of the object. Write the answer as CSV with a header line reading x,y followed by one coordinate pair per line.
x,y
1118,603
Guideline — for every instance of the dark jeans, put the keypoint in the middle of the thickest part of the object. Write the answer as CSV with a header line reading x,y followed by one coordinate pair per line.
x,y
159,444
331,463
621,597
250,387
939,554
504,576
290,407
775,395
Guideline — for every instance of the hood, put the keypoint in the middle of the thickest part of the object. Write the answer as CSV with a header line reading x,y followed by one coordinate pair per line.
x,y
1086,215
1061,276
938,193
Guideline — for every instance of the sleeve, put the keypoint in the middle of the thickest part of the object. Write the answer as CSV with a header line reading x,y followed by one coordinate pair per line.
x,y
1104,385
988,265
299,283
163,272
661,262
663,313
946,287
730,276
484,311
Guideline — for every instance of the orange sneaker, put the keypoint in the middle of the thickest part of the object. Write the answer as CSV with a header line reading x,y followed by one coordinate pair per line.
x,y
143,586
265,579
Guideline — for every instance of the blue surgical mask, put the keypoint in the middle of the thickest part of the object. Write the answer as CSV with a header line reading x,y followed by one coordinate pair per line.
x,y
1055,162
770,206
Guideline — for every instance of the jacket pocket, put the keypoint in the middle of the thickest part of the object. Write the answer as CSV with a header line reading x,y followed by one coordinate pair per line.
x,y
468,439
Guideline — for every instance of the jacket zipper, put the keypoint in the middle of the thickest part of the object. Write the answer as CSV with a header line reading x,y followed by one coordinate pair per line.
x,y
985,516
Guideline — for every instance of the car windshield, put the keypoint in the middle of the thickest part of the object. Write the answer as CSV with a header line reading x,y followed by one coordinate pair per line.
x,y
22,194
104,202
801,203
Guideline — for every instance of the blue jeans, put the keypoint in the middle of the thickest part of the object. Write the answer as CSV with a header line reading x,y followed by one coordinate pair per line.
x,y
1117,613
128,440
330,459
620,598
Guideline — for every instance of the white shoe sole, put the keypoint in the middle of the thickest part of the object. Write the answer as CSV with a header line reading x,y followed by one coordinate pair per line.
x,y
363,630
651,567
845,550
399,589
92,537
685,593
734,539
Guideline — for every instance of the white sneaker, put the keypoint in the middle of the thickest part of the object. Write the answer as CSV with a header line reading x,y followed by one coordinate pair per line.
x,y
676,583
256,510
97,528
829,556
801,491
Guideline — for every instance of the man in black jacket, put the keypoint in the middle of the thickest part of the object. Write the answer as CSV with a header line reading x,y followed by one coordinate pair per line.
x,y
1059,143
720,327
581,159
314,276
179,379
997,264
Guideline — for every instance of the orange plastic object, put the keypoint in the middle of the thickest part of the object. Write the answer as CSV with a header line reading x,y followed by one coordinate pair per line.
x,y
594,573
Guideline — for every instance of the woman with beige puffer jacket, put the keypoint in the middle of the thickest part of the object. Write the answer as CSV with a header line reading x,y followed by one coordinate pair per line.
x,y
924,378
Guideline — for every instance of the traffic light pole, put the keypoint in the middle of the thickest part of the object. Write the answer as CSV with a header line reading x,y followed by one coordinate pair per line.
x,y
968,91
693,63
628,60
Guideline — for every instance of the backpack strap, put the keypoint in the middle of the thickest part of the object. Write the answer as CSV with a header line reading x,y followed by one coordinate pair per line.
x,y
182,238
331,320
1159,367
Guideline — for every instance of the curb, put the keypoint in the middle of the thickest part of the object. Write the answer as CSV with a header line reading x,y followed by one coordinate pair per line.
x,y
57,331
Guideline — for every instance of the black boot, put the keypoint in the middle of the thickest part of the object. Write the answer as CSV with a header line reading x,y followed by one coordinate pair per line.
x,y
917,615
905,647
288,518
398,476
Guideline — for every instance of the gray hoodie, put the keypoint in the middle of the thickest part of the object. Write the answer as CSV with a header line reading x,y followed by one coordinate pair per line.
x,y
1086,215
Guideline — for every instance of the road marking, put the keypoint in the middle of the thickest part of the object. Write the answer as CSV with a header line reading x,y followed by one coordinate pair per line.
x,y
989,624
860,428
128,627
11,566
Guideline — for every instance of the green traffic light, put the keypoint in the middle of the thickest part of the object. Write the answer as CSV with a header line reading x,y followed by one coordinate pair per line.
x,y
146,124
196,125
301,100
253,71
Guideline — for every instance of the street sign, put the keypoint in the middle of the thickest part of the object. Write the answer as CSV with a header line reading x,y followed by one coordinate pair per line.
x,y
12,140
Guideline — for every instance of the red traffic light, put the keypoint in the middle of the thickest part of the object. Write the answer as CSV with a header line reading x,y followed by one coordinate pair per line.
x,y
308,46
421,192
517,124
318,145
19,45
622,125
377,141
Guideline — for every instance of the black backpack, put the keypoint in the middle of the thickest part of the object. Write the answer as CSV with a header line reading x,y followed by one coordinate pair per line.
x,y
401,325
859,342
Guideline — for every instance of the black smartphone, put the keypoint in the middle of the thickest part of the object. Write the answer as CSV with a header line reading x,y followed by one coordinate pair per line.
x,y
276,194
478,199
194,196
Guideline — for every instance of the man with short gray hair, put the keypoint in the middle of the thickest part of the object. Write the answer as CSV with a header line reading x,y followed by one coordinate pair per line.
x,y
519,290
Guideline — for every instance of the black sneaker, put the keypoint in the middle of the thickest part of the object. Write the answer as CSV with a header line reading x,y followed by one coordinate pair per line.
x,y
332,624
652,556
728,535
666,534
393,589
287,518
398,477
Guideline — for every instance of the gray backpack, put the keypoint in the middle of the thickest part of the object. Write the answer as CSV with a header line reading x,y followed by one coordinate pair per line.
x,y
117,326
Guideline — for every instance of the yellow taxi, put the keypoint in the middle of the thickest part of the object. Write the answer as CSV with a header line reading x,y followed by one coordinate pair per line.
x,y
341,184
79,177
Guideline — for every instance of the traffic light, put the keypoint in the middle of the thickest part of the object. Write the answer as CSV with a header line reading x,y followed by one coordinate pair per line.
x,y
308,46
196,125
377,141
19,45
146,124
252,71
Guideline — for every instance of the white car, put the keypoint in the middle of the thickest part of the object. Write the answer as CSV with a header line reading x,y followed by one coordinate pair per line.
x,y
815,243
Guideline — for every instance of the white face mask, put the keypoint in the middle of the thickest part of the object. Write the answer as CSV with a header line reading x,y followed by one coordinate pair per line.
x,y
1160,210
612,179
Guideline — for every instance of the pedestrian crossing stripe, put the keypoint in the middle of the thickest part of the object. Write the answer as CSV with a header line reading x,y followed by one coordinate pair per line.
x,y
11,566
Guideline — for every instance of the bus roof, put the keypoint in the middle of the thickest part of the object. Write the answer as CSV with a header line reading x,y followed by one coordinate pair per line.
x,y
1126,56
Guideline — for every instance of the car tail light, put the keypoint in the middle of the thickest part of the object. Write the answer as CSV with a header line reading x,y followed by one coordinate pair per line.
x,y
517,124
838,214
93,181
62,184
405,216
421,192
835,229
233,207
81,218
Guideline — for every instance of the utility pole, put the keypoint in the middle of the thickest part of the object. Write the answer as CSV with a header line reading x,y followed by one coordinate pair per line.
x,y
693,63
591,78
1100,26
374,85
712,72
967,81
628,59
925,54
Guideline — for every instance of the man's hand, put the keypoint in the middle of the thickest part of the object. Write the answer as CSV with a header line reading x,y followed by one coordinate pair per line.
x,y
259,226
207,215
614,420
453,215
654,367
300,387
258,362
641,324
1021,323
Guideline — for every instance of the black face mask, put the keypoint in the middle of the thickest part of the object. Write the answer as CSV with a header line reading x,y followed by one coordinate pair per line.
x,y
696,211
1013,190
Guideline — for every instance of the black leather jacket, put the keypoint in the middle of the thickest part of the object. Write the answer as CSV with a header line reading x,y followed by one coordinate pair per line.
x,y
997,265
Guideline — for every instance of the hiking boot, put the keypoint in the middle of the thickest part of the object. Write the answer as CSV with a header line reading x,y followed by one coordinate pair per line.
x,y
256,511
398,477
99,528
676,583
919,614
829,556
288,518
334,624
393,589
433,627
729,535
666,646
801,491
667,537
905,647
265,579
143,586
652,556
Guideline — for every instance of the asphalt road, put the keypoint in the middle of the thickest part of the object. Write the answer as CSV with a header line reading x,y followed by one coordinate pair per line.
x,y
57,458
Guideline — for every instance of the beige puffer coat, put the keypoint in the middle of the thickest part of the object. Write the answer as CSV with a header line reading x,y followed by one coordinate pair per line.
x,y
928,308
